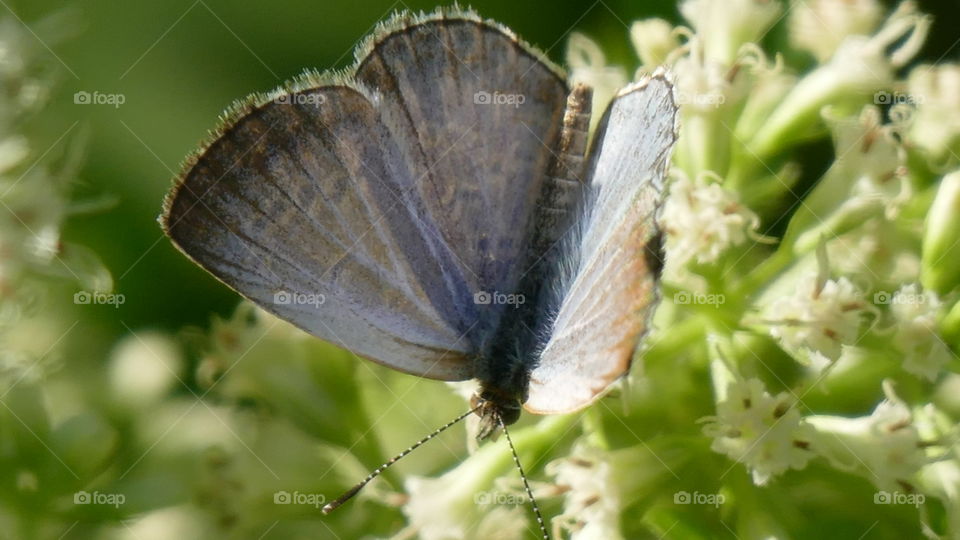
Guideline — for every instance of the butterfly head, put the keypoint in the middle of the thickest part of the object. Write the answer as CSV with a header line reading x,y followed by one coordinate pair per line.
x,y
494,408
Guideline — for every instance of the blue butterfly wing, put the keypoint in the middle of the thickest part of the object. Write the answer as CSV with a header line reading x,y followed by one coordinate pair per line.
x,y
596,313
395,194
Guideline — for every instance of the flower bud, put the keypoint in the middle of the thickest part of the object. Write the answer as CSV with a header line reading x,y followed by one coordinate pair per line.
x,y
940,263
726,25
819,26
654,40
936,125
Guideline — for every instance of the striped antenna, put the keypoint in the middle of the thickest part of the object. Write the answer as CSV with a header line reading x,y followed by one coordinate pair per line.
x,y
376,472
526,485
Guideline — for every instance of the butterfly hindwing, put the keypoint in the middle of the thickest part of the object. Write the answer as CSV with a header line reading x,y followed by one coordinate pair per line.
x,y
604,305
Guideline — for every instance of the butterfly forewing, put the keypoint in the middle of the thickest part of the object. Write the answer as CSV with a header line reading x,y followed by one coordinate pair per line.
x,y
603,307
304,207
480,113
369,209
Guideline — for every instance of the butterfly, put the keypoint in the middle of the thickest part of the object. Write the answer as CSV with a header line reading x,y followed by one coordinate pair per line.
x,y
445,200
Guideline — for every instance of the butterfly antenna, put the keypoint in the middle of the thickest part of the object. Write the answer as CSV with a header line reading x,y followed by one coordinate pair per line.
x,y
526,485
376,472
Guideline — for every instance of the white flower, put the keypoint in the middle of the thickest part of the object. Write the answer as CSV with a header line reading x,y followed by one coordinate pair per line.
x,y
884,447
446,507
703,85
941,478
868,146
870,160
143,368
503,523
452,506
25,357
591,509
817,319
588,65
877,251
437,509
936,124
654,40
764,432
868,180
725,25
183,521
13,150
869,62
702,220
819,26
915,314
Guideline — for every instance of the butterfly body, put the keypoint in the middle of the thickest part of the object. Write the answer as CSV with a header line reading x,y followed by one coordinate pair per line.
x,y
505,374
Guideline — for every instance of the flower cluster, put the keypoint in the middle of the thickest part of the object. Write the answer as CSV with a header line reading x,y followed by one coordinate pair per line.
x,y
840,277
34,203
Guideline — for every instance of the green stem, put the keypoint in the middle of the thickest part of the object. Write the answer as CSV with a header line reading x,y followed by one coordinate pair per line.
x,y
679,337
770,268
